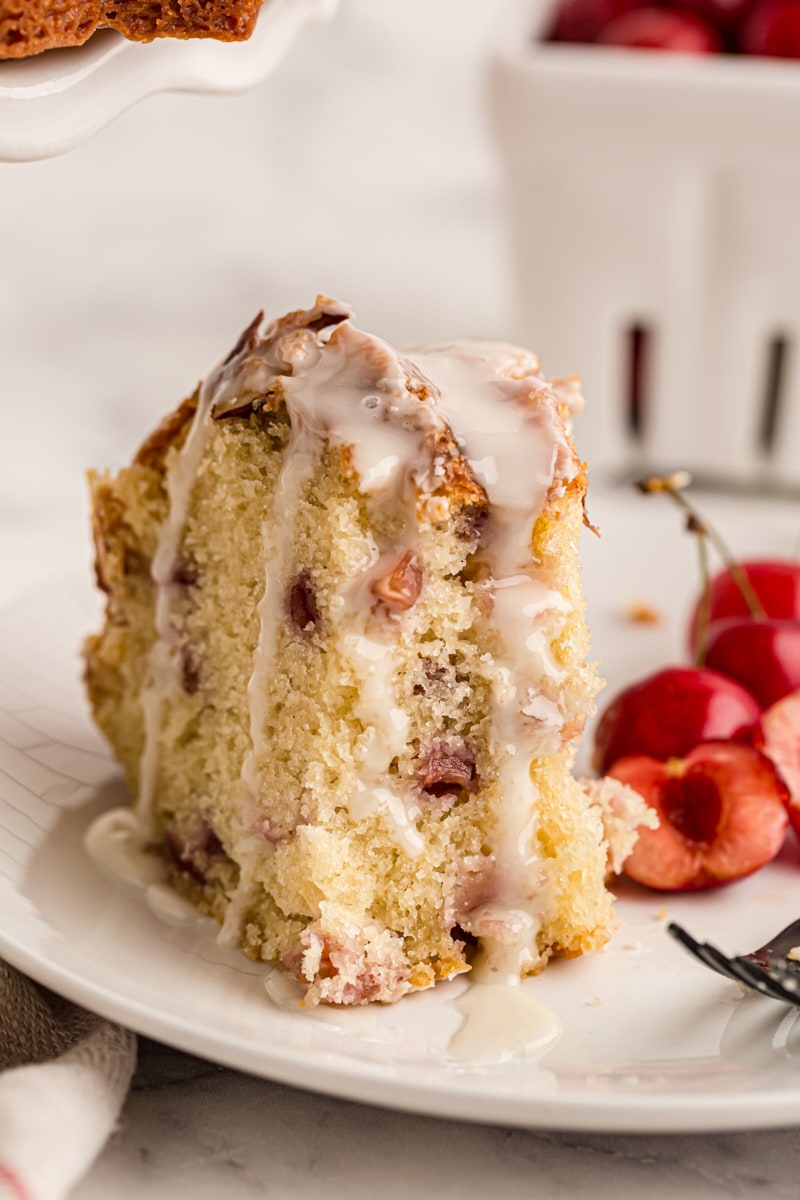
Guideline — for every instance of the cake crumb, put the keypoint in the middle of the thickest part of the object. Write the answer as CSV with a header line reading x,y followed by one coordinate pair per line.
x,y
661,915
639,612
794,954
593,1002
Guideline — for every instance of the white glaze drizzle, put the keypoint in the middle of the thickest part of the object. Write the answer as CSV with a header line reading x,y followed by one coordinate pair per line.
x,y
517,449
169,906
348,390
118,843
501,1023
277,536
249,849
370,651
162,670
120,846
162,664
385,734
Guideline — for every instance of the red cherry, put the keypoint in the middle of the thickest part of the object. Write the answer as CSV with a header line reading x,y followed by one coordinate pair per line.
x,y
772,29
661,29
776,584
723,15
583,20
667,714
778,736
763,656
722,814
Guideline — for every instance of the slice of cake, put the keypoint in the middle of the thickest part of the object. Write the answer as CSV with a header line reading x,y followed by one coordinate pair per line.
x,y
344,658
30,26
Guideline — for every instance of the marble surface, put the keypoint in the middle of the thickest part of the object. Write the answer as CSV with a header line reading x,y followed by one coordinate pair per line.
x,y
362,168
192,1131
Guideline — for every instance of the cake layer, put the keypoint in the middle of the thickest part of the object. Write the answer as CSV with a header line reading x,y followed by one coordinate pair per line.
x,y
31,26
344,662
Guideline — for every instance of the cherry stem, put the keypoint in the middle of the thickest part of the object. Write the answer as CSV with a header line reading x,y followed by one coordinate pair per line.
x,y
672,486
704,603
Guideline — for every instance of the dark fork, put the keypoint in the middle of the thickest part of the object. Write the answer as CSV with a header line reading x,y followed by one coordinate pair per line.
x,y
766,970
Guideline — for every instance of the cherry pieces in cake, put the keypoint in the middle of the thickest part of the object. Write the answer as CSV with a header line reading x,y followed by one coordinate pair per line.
x,y
722,815
399,589
669,713
778,737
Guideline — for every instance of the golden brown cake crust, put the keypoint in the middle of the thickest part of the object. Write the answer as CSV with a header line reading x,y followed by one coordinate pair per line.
x,y
30,26
169,433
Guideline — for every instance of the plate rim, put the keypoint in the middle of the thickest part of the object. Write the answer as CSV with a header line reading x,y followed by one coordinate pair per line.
x,y
365,1082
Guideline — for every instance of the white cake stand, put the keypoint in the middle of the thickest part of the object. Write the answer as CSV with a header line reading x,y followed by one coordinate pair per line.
x,y
54,101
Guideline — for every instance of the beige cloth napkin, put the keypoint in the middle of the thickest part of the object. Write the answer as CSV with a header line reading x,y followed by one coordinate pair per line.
x,y
64,1074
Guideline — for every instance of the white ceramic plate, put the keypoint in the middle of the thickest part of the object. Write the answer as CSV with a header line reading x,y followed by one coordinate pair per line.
x,y
52,102
651,1040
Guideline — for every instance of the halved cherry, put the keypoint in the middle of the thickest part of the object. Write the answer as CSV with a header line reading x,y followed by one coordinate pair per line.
x,y
667,714
722,814
763,656
778,737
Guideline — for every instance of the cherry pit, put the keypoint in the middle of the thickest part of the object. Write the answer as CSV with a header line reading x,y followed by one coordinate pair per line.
x,y
714,747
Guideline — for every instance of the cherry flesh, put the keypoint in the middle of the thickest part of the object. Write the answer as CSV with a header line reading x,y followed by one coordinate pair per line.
x,y
722,815
778,737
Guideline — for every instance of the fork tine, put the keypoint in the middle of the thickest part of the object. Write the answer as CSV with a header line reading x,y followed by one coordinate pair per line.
x,y
735,968
764,980
783,984
785,973
781,944
755,976
741,970
726,965
707,954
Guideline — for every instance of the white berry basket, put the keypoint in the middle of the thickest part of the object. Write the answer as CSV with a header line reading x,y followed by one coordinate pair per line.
x,y
654,204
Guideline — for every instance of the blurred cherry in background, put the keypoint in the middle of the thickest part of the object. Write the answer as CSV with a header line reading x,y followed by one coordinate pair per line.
x,y
767,28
